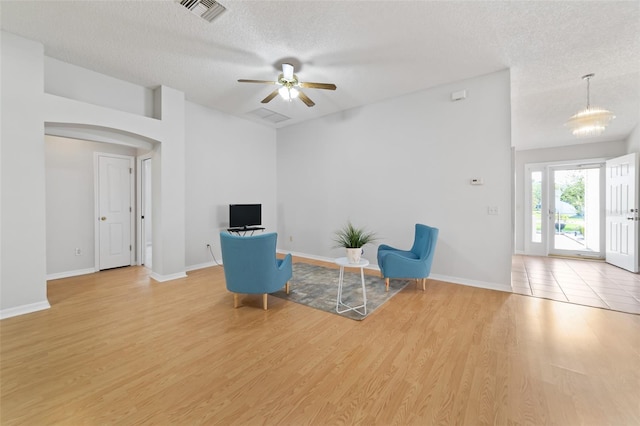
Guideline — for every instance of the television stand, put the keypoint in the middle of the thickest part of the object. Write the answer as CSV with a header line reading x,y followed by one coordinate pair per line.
x,y
242,232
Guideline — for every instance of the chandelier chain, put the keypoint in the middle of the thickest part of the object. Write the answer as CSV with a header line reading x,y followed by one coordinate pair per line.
x,y
588,78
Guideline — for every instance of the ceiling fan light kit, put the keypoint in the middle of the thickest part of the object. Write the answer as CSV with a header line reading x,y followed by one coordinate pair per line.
x,y
591,121
288,93
290,86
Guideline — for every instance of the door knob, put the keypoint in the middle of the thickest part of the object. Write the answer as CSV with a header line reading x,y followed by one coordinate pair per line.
x,y
103,218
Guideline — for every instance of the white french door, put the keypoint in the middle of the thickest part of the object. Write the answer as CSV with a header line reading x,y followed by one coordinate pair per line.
x,y
535,205
564,209
114,190
575,210
622,212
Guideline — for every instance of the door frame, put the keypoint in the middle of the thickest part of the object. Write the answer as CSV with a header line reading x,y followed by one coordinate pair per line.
x,y
96,204
543,248
140,243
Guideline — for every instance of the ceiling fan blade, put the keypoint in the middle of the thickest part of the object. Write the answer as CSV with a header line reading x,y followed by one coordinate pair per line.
x,y
326,86
287,72
304,98
271,96
242,80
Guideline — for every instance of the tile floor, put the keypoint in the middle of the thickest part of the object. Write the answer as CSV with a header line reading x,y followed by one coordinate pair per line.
x,y
583,282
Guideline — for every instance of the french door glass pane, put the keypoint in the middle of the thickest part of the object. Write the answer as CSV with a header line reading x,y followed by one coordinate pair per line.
x,y
577,211
536,207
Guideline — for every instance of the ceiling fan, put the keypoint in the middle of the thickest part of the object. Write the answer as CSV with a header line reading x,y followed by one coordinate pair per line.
x,y
290,85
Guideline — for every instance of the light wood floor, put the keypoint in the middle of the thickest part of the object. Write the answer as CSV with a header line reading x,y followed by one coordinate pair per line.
x,y
119,348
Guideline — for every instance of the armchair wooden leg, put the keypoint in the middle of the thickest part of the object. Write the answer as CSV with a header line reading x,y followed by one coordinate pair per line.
x,y
386,283
235,300
417,282
424,280
264,301
286,287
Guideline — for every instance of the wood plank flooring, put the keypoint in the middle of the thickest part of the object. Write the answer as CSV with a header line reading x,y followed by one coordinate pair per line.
x,y
119,348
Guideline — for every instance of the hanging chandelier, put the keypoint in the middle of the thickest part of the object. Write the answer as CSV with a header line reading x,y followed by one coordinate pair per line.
x,y
591,121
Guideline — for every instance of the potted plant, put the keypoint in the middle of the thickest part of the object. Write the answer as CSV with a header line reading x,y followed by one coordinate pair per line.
x,y
352,239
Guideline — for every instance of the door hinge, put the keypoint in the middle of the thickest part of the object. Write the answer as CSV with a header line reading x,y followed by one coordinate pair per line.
x,y
130,209
130,170
129,247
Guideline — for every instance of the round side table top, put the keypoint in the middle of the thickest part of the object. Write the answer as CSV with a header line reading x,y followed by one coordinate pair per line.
x,y
344,262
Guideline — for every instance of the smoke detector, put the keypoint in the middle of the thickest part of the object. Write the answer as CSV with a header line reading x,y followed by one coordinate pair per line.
x,y
206,9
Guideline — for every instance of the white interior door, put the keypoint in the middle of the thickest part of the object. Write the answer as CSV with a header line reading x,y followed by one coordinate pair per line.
x,y
114,207
622,212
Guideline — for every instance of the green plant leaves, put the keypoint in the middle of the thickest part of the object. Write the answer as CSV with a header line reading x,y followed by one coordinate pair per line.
x,y
351,237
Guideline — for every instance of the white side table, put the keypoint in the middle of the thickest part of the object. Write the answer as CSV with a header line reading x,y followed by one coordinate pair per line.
x,y
343,262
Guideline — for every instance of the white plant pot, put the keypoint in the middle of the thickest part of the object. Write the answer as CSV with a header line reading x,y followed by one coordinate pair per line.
x,y
353,255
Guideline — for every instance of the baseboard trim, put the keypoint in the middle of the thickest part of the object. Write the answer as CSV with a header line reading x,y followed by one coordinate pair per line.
x,y
320,258
67,274
24,309
201,266
170,277
472,283
453,280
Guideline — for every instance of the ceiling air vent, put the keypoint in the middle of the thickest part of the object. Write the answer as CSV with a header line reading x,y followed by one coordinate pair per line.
x,y
206,9
268,115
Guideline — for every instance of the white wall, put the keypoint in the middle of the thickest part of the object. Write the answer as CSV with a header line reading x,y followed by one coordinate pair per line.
x,y
70,202
26,108
168,187
633,141
402,161
565,153
230,161
70,81
22,262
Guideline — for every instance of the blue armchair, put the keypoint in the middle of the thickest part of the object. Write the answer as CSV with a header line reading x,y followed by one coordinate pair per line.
x,y
251,267
414,263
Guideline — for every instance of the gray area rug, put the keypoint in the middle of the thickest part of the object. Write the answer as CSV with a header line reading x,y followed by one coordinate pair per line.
x,y
317,287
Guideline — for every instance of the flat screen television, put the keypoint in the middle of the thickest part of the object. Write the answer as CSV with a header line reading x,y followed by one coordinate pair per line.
x,y
245,215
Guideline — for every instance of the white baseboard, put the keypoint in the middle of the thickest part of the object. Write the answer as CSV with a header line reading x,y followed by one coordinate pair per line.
x,y
201,266
472,283
155,276
321,258
170,277
453,280
67,274
24,309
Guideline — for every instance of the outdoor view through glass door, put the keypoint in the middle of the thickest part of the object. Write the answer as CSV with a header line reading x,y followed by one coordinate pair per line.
x,y
575,210
566,204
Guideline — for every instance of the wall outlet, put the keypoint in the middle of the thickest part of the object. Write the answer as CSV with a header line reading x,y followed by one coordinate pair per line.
x,y
78,251
493,210
208,245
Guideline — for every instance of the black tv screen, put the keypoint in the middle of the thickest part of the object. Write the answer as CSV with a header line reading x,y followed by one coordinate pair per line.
x,y
244,215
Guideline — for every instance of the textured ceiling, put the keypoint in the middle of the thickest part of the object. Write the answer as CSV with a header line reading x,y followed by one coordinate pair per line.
x,y
371,50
